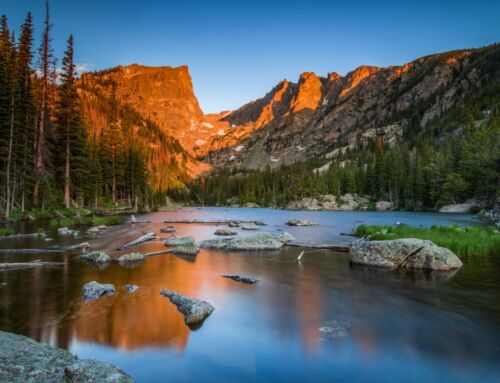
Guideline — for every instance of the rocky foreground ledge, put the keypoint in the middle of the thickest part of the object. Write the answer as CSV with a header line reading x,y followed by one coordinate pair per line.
x,y
23,360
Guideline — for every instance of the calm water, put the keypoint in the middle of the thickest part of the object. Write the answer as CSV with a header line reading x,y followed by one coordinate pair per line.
x,y
322,320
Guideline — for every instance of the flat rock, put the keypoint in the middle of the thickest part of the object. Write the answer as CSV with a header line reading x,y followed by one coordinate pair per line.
x,y
238,278
24,360
255,241
130,258
96,257
224,232
177,241
300,222
194,310
409,253
249,227
94,290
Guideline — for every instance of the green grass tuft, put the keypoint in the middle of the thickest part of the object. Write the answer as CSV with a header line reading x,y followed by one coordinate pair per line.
x,y
464,241
6,231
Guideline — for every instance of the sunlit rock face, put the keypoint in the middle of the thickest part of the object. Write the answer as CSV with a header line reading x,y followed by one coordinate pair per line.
x,y
296,121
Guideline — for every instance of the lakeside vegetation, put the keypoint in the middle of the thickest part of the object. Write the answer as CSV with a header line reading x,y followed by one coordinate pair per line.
x,y
463,241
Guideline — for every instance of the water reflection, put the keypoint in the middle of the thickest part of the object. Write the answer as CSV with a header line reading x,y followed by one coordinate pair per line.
x,y
318,320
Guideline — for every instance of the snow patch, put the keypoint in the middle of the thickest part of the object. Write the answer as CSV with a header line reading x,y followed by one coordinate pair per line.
x,y
238,148
300,148
207,125
200,142
220,132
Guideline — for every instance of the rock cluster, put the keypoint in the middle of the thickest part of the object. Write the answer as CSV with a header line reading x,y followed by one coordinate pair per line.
x,y
96,257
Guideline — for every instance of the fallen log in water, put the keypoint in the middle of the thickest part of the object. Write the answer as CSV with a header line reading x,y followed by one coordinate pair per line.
x,y
144,238
341,248
17,236
28,265
161,252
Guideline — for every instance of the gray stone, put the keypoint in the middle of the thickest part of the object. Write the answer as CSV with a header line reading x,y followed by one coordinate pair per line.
x,y
168,229
22,360
255,241
233,224
383,205
457,208
96,257
130,258
194,310
177,241
189,249
80,246
409,253
260,222
249,227
224,232
94,290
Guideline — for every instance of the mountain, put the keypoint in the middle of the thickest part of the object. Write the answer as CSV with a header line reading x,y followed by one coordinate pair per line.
x,y
158,105
319,115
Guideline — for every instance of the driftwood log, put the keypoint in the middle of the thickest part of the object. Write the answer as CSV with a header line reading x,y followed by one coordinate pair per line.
x,y
143,238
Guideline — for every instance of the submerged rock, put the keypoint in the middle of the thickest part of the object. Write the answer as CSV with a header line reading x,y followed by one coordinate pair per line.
x,y
177,241
238,278
24,360
194,310
224,232
301,222
96,229
285,237
131,288
94,290
255,241
96,257
409,253
130,258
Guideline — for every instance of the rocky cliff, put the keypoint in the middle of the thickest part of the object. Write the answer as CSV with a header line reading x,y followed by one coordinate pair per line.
x,y
323,115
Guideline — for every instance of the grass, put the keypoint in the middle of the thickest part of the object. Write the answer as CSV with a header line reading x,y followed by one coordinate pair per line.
x,y
463,241
91,221
6,231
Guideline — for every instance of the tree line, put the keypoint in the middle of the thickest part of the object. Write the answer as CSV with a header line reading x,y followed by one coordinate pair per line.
x,y
47,156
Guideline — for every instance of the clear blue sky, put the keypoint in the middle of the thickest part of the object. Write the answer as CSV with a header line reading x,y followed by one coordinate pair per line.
x,y
238,50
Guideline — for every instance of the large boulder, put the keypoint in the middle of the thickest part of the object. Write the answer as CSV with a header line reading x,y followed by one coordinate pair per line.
x,y
408,253
194,310
457,208
94,290
24,360
188,249
255,241
383,205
